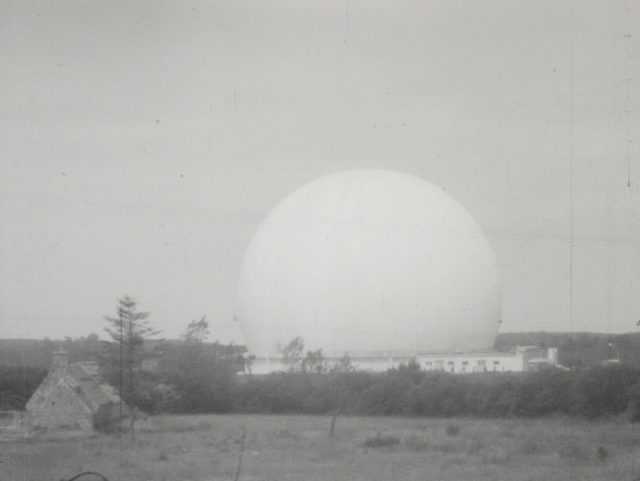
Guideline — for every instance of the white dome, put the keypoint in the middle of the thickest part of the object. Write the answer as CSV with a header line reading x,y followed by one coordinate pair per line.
x,y
369,261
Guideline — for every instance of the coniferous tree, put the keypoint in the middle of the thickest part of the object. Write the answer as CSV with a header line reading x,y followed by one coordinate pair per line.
x,y
129,330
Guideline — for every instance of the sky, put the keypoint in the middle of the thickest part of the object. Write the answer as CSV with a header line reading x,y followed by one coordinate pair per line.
x,y
142,143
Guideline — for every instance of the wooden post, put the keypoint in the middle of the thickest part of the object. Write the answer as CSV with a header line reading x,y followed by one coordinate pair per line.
x,y
239,465
334,415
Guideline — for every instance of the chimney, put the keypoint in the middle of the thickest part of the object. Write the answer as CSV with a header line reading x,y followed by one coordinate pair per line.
x,y
60,359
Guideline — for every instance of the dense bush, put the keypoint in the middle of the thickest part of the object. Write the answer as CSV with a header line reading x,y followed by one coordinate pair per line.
x,y
547,391
298,392
593,392
381,441
605,390
633,394
193,380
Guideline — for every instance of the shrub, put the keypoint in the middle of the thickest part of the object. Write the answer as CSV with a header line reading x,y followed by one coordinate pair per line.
x,y
386,397
593,392
452,429
416,443
201,380
574,452
633,406
544,392
439,394
604,390
381,441
602,453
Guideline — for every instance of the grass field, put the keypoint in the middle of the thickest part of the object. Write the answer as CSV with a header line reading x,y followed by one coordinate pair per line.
x,y
199,448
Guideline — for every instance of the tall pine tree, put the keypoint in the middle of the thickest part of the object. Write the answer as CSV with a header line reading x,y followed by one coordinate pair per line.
x,y
128,330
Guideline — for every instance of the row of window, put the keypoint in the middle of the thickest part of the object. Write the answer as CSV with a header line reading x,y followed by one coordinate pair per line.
x,y
480,366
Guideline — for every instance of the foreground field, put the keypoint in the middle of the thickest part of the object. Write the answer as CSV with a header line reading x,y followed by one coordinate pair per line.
x,y
199,448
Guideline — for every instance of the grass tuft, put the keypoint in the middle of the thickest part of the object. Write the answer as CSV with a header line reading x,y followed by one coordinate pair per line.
x,y
500,456
452,429
574,452
531,447
381,441
416,443
602,453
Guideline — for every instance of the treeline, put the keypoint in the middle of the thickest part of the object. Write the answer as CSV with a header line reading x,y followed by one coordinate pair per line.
x,y
38,353
186,377
593,392
17,384
176,377
577,350
193,380
170,376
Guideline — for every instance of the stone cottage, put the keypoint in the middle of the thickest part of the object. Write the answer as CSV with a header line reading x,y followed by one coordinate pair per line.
x,y
74,396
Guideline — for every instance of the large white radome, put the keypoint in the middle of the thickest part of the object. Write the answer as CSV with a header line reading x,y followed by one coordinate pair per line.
x,y
369,261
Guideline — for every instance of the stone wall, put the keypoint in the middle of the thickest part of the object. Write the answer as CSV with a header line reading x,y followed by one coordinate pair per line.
x,y
12,425
59,407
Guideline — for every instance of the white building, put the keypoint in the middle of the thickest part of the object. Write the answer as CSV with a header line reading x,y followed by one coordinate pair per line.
x,y
522,359
364,362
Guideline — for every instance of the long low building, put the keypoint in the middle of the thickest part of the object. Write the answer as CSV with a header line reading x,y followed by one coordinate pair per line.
x,y
522,359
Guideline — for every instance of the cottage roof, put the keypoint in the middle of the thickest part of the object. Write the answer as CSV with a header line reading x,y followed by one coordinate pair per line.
x,y
82,370
85,381
90,385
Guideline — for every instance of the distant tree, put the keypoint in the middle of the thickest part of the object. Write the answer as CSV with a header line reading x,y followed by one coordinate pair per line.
x,y
17,384
343,364
411,371
129,330
197,331
313,362
86,348
200,373
246,362
295,359
292,354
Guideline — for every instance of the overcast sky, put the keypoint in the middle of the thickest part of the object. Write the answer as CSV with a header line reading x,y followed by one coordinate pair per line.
x,y
141,143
